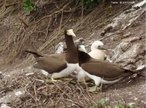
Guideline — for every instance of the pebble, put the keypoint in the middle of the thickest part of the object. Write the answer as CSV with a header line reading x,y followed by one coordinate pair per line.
x,y
4,106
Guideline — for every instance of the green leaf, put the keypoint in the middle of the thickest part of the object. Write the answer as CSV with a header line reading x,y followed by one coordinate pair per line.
x,y
28,6
101,102
89,3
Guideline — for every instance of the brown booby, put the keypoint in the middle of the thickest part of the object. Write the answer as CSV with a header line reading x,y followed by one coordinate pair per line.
x,y
77,42
101,71
97,52
59,65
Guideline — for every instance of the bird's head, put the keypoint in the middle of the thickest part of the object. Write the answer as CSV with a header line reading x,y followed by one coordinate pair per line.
x,y
98,45
70,32
82,48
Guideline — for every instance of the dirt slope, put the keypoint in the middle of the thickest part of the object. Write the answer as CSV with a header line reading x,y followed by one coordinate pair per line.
x,y
21,86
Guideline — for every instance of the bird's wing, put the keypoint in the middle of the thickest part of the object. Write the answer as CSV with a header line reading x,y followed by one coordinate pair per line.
x,y
103,69
35,53
51,64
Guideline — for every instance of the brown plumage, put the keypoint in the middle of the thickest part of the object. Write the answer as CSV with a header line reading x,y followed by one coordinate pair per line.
x,y
103,69
50,63
71,50
58,64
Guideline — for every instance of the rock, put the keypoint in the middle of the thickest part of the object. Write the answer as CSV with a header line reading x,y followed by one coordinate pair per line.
x,y
127,35
132,39
79,41
59,48
140,4
19,93
1,75
120,49
4,106
107,29
29,74
126,58
45,73
123,21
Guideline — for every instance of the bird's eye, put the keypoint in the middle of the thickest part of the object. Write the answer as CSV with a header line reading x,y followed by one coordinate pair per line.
x,y
98,47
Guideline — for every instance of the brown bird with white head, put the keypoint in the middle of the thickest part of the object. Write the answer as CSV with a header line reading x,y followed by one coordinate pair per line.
x,y
59,65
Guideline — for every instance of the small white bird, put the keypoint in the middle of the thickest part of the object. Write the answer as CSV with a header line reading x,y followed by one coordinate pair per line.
x,y
97,50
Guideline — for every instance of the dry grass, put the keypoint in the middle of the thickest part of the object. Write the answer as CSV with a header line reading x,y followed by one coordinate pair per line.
x,y
41,93
19,32
45,31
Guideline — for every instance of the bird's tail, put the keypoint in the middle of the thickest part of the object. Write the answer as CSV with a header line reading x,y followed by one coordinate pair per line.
x,y
138,71
36,54
110,82
140,68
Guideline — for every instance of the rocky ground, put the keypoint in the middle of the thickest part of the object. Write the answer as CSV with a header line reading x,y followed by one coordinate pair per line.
x,y
120,27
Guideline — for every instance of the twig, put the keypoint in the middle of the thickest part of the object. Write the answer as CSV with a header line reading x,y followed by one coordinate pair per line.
x,y
50,15
29,92
12,4
49,23
75,103
25,24
60,89
110,35
35,92
82,11
60,98
82,93
60,25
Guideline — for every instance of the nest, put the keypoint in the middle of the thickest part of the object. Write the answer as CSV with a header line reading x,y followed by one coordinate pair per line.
x,y
41,93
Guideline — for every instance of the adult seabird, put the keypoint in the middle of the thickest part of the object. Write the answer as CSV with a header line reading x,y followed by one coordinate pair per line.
x,y
59,65
100,71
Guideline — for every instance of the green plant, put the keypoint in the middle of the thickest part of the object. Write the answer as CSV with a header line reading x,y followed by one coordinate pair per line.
x,y
28,5
123,106
102,104
88,3
91,3
99,104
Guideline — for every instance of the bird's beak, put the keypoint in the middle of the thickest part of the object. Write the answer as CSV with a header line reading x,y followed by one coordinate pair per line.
x,y
71,32
102,48
74,35
82,48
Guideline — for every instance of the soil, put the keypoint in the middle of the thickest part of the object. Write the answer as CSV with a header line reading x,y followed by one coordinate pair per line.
x,y
42,31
